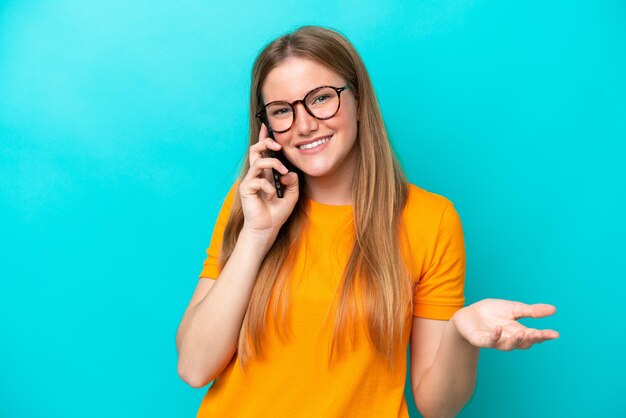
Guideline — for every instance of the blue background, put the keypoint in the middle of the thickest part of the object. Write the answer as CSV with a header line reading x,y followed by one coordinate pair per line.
x,y
122,125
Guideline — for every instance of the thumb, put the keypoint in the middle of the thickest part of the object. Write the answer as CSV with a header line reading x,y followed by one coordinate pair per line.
x,y
290,180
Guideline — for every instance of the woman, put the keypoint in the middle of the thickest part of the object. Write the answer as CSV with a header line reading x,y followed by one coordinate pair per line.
x,y
307,302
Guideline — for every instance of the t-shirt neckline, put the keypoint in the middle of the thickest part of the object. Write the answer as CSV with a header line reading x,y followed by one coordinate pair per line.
x,y
324,211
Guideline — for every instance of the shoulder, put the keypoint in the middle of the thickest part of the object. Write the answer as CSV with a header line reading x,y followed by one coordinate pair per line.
x,y
426,214
228,198
425,204
227,202
232,192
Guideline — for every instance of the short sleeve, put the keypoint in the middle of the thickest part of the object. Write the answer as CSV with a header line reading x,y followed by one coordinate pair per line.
x,y
211,268
440,290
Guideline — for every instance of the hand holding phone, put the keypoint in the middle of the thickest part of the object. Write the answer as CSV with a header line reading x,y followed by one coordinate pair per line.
x,y
280,189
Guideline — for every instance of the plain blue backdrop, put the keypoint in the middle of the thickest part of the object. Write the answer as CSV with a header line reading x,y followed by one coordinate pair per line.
x,y
122,125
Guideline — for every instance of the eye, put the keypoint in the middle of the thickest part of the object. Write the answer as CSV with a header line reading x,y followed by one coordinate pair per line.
x,y
321,99
280,111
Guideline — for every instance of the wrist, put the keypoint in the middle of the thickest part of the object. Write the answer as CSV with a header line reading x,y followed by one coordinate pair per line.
x,y
453,332
262,241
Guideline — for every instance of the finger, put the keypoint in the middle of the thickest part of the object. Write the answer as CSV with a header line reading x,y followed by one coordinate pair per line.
x,y
547,334
257,169
521,340
263,145
508,342
529,340
515,340
534,336
255,185
538,336
494,336
263,133
537,310
290,181
257,150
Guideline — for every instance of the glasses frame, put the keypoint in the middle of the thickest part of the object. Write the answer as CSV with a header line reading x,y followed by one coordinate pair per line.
x,y
262,114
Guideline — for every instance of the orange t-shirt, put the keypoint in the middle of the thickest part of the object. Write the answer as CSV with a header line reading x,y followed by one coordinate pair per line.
x,y
294,379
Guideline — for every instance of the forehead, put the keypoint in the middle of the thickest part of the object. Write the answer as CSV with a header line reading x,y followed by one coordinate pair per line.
x,y
295,77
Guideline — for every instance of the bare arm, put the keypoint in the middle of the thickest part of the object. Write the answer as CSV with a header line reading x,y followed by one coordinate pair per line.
x,y
209,331
208,334
444,354
443,368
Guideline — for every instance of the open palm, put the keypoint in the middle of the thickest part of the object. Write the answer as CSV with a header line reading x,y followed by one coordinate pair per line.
x,y
492,323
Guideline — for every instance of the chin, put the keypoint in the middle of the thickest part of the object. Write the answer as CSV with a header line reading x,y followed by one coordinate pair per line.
x,y
313,170
316,171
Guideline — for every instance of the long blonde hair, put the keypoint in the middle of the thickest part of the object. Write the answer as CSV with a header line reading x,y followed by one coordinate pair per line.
x,y
375,274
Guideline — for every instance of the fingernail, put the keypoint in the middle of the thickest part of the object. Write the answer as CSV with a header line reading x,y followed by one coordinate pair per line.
x,y
284,170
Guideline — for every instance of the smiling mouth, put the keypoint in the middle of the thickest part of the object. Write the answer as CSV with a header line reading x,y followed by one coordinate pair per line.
x,y
315,143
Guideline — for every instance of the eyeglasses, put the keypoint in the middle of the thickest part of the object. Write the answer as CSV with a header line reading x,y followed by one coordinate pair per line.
x,y
321,103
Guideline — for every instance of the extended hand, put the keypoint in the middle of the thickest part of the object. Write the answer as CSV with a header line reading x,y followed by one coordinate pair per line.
x,y
492,323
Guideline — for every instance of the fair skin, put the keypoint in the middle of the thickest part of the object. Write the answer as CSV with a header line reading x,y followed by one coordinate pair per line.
x,y
329,170
444,354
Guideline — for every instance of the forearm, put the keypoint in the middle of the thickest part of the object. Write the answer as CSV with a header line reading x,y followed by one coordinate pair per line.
x,y
449,383
208,335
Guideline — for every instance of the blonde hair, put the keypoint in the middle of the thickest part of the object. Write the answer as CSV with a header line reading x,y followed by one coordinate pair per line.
x,y
376,282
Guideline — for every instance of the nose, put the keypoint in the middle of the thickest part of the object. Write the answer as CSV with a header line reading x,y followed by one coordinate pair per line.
x,y
304,122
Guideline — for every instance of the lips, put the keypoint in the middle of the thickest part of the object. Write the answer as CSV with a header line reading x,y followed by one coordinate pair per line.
x,y
310,141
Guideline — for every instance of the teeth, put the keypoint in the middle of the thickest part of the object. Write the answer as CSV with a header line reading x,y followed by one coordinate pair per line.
x,y
315,144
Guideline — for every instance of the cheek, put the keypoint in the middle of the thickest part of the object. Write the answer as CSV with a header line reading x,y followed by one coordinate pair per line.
x,y
349,127
282,139
348,120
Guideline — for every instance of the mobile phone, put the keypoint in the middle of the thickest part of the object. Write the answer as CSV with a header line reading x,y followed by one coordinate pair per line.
x,y
280,189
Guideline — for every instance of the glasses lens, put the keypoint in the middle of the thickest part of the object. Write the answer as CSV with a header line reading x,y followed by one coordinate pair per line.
x,y
280,115
323,103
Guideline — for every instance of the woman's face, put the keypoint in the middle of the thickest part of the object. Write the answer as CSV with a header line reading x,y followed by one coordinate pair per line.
x,y
292,80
